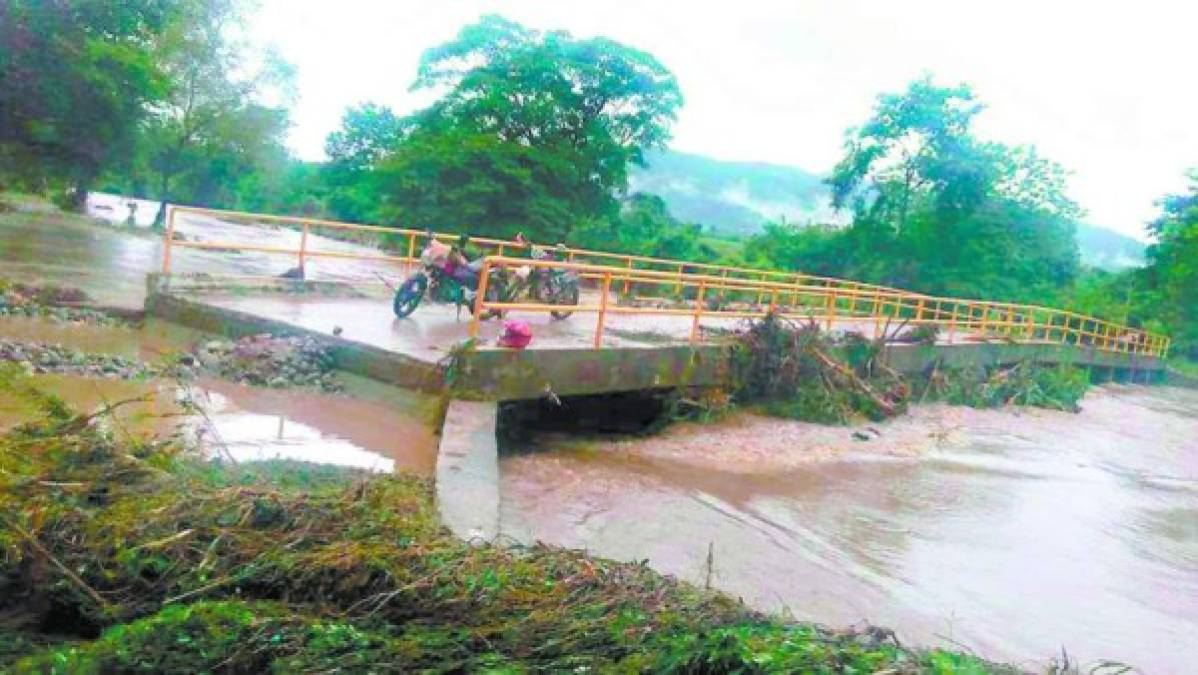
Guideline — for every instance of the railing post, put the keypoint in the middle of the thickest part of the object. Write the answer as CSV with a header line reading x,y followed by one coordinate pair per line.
x,y
168,239
831,309
678,284
698,311
603,292
411,257
480,298
628,279
952,323
877,312
303,249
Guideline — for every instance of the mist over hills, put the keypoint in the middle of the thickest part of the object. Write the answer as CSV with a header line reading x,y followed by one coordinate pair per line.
x,y
737,198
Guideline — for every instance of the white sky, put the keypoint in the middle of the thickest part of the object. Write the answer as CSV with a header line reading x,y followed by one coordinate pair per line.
x,y
1106,88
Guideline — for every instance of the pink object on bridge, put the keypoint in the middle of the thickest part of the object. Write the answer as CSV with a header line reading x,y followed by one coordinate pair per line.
x,y
516,334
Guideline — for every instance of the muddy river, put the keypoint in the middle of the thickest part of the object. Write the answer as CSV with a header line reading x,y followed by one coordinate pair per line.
x,y
1012,534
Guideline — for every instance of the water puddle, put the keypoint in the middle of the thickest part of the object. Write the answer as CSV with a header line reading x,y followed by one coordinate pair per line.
x,y
1009,533
371,426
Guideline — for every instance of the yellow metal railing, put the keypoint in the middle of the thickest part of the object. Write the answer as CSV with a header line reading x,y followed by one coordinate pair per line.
x,y
716,297
410,251
721,292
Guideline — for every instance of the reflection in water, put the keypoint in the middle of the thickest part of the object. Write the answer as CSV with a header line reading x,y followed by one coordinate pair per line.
x,y
1011,533
253,424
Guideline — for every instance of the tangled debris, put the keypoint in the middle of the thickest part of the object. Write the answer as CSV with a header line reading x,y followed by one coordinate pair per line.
x,y
796,370
118,555
269,361
792,369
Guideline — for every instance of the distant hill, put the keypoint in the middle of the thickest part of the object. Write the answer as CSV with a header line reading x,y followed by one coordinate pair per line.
x,y
736,198
1108,249
733,197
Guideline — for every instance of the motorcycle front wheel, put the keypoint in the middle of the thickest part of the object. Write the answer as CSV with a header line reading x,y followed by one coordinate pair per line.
x,y
409,295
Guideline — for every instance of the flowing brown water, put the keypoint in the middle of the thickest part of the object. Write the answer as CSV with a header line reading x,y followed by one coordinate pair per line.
x,y
1011,533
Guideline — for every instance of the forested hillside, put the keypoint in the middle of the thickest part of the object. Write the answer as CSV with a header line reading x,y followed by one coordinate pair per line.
x,y
739,198
733,198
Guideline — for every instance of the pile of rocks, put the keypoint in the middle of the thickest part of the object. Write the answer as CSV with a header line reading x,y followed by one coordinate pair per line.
x,y
39,357
269,361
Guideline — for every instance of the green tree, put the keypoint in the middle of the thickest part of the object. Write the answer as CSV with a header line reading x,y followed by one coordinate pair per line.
x,y
812,249
367,135
534,132
75,78
210,129
643,226
1173,266
936,209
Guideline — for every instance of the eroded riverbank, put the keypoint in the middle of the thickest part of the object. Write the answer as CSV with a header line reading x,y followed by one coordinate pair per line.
x,y
1010,532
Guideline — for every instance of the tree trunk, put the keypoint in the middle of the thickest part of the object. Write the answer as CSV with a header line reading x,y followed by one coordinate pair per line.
x,y
163,196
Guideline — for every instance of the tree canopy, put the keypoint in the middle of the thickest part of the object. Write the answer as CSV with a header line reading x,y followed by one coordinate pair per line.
x,y
209,139
75,79
936,209
1173,265
533,131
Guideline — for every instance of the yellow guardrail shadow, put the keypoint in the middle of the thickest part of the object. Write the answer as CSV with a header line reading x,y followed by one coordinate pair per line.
x,y
717,291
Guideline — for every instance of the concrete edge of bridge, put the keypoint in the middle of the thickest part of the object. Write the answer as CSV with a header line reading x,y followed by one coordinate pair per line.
x,y
467,477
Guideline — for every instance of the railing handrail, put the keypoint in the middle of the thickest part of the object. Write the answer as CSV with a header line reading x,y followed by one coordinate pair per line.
x,y
508,243
831,292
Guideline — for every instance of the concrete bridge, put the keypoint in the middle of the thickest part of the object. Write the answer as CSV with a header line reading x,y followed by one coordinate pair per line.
x,y
642,323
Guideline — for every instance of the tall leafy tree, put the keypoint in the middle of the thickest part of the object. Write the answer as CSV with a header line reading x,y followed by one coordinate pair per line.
x,y
75,78
1173,265
368,134
211,127
533,130
935,208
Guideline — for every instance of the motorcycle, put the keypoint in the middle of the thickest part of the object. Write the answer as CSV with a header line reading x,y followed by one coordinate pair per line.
x,y
437,281
546,285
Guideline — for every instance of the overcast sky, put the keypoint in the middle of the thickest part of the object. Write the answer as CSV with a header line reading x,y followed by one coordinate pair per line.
x,y
1106,88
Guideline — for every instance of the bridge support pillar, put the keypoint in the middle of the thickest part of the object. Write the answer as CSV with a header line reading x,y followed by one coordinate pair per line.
x,y
468,471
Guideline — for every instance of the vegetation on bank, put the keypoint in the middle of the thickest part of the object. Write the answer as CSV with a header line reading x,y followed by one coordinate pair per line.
x,y
131,555
793,369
